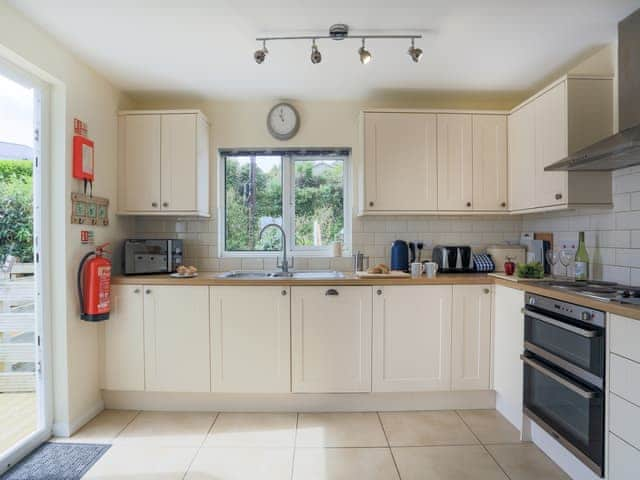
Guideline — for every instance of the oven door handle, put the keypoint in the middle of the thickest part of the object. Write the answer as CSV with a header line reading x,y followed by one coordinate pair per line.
x,y
565,326
584,393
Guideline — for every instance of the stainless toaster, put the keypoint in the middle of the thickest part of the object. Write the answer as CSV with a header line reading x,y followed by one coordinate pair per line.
x,y
452,259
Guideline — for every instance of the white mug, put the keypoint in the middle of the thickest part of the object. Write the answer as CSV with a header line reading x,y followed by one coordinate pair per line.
x,y
430,269
416,270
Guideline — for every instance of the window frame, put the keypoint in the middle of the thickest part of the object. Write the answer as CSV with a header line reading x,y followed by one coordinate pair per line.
x,y
288,205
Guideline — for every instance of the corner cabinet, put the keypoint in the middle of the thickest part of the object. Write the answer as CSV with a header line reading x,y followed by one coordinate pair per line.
x,y
433,162
163,163
331,339
568,115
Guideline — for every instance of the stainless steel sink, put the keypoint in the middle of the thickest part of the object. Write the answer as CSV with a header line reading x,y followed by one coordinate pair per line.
x,y
299,275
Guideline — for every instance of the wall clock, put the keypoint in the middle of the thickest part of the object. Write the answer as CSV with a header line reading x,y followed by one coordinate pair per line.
x,y
283,121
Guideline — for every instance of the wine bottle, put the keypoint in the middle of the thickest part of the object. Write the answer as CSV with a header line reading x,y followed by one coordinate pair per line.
x,y
582,259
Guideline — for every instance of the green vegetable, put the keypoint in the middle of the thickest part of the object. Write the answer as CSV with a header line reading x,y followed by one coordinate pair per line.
x,y
530,270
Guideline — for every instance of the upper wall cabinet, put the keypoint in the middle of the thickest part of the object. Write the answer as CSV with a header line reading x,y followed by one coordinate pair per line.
x,y
400,162
163,163
570,114
433,162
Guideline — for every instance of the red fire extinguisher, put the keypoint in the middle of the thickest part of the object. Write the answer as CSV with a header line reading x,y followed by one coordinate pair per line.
x,y
94,285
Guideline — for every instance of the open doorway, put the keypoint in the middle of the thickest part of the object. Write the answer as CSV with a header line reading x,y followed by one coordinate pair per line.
x,y
24,401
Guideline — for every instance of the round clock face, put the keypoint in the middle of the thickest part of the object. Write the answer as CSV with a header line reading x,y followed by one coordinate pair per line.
x,y
283,121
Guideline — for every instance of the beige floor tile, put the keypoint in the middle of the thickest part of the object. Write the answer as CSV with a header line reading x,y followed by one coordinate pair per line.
x,y
340,430
447,463
526,462
142,463
426,429
253,430
247,463
102,429
490,427
344,464
167,429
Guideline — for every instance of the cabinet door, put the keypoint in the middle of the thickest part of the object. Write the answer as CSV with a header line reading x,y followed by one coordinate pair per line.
x,y
176,332
400,162
124,340
250,339
179,165
331,339
551,146
490,162
411,338
522,158
455,162
507,366
139,163
471,337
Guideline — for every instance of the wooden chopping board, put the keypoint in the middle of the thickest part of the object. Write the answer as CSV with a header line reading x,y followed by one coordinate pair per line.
x,y
391,274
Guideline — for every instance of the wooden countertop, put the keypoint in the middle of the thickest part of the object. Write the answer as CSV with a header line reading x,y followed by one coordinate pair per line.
x,y
211,279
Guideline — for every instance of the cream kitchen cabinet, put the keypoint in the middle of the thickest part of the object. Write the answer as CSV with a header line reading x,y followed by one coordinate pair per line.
x,y
250,339
411,338
163,163
400,162
331,339
490,162
568,115
455,162
176,339
123,338
471,337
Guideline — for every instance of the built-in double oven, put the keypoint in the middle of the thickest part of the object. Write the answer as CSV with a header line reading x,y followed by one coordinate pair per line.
x,y
564,373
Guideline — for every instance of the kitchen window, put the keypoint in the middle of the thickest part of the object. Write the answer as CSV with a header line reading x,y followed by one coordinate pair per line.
x,y
305,192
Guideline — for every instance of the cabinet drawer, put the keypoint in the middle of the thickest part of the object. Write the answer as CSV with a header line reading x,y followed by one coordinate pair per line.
x,y
625,378
624,420
625,337
623,460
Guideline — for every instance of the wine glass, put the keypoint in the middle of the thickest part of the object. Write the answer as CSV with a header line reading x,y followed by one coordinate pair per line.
x,y
566,259
552,259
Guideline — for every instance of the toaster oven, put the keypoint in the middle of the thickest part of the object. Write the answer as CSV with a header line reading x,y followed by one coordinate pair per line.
x,y
148,256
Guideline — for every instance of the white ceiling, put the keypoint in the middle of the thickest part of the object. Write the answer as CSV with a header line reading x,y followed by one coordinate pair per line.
x,y
205,47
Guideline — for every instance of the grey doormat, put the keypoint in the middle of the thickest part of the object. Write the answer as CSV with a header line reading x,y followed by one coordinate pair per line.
x,y
57,461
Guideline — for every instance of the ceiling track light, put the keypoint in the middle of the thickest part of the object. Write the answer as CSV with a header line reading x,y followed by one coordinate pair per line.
x,y
316,56
340,31
260,54
414,53
365,55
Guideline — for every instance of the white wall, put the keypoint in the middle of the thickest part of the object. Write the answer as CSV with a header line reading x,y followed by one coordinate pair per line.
x,y
77,91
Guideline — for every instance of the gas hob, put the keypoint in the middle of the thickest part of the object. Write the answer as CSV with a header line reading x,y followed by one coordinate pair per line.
x,y
603,291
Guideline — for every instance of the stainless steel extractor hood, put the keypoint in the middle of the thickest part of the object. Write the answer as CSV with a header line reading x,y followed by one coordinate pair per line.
x,y
623,149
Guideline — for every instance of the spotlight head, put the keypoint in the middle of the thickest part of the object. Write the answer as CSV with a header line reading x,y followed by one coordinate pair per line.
x,y
259,56
365,55
415,53
316,56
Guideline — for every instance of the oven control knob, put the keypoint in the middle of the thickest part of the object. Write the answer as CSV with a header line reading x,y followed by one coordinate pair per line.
x,y
586,316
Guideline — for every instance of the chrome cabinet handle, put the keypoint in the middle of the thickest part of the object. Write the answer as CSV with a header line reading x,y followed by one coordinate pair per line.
x,y
574,387
332,292
558,196
486,290
137,290
283,293
565,326
148,292
378,292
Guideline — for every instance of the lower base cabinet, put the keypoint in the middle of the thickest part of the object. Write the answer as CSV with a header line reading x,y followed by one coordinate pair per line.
x,y
123,338
471,334
331,339
250,339
411,338
176,339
